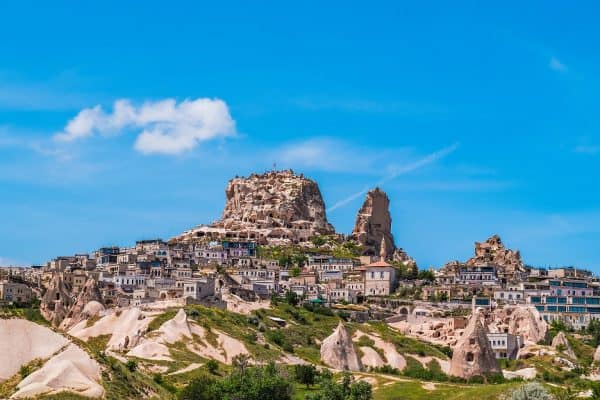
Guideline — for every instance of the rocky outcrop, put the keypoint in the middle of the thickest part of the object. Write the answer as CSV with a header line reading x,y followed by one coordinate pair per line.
x,y
561,344
525,321
88,293
271,208
473,355
374,223
509,264
71,370
337,350
492,251
57,300
373,227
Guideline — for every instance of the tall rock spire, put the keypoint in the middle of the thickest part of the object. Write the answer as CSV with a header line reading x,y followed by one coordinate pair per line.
x,y
373,224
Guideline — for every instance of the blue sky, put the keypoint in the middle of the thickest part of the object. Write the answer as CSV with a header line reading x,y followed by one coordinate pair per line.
x,y
478,119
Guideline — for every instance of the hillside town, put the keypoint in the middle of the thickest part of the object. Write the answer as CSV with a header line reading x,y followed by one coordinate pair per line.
x,y
274,244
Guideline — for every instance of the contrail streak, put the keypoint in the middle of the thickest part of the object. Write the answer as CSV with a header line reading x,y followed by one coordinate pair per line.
x,y
431,158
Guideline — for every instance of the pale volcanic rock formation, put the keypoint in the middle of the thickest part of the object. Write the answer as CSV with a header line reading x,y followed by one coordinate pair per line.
x,y
57,300
126,327
597,354
337,350
374,223
493,251
22,341
278,199
509,264
89,293
521,320
155,345
71,370
560,342
392,357
273,208
473,355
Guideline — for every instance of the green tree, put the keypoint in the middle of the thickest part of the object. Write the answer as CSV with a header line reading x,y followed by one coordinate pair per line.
x,y
360,391
200,388
595,391
426,275
318,241
347,389
291,298
212,366
256,384
305,374
593,329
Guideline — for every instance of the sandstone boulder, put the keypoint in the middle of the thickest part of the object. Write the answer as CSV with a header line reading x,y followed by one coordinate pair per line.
x,y
337,350
473,355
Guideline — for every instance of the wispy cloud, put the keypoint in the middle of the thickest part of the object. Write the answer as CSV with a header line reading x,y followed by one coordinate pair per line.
x,y
459,185
587,149
396,172
163,127
556,65
18,139
332,155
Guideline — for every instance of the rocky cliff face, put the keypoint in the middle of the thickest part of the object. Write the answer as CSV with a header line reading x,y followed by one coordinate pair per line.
x,y
473,355
337,351
275,205
373,223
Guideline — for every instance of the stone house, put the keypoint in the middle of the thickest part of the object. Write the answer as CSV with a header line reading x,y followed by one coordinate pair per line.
x,y
15,292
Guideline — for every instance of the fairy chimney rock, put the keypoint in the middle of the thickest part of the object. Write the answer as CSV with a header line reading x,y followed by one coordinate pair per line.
x,y
473,355
561,343
337,350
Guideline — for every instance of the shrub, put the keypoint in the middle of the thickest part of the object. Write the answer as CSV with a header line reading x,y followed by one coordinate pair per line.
x,y
131,365
531,391
24,371
212,366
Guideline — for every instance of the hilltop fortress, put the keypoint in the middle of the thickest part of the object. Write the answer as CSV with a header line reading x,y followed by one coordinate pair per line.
x,y
283,208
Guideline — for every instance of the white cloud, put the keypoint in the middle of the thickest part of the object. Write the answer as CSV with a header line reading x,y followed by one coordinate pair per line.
x,y
556,65
164,126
